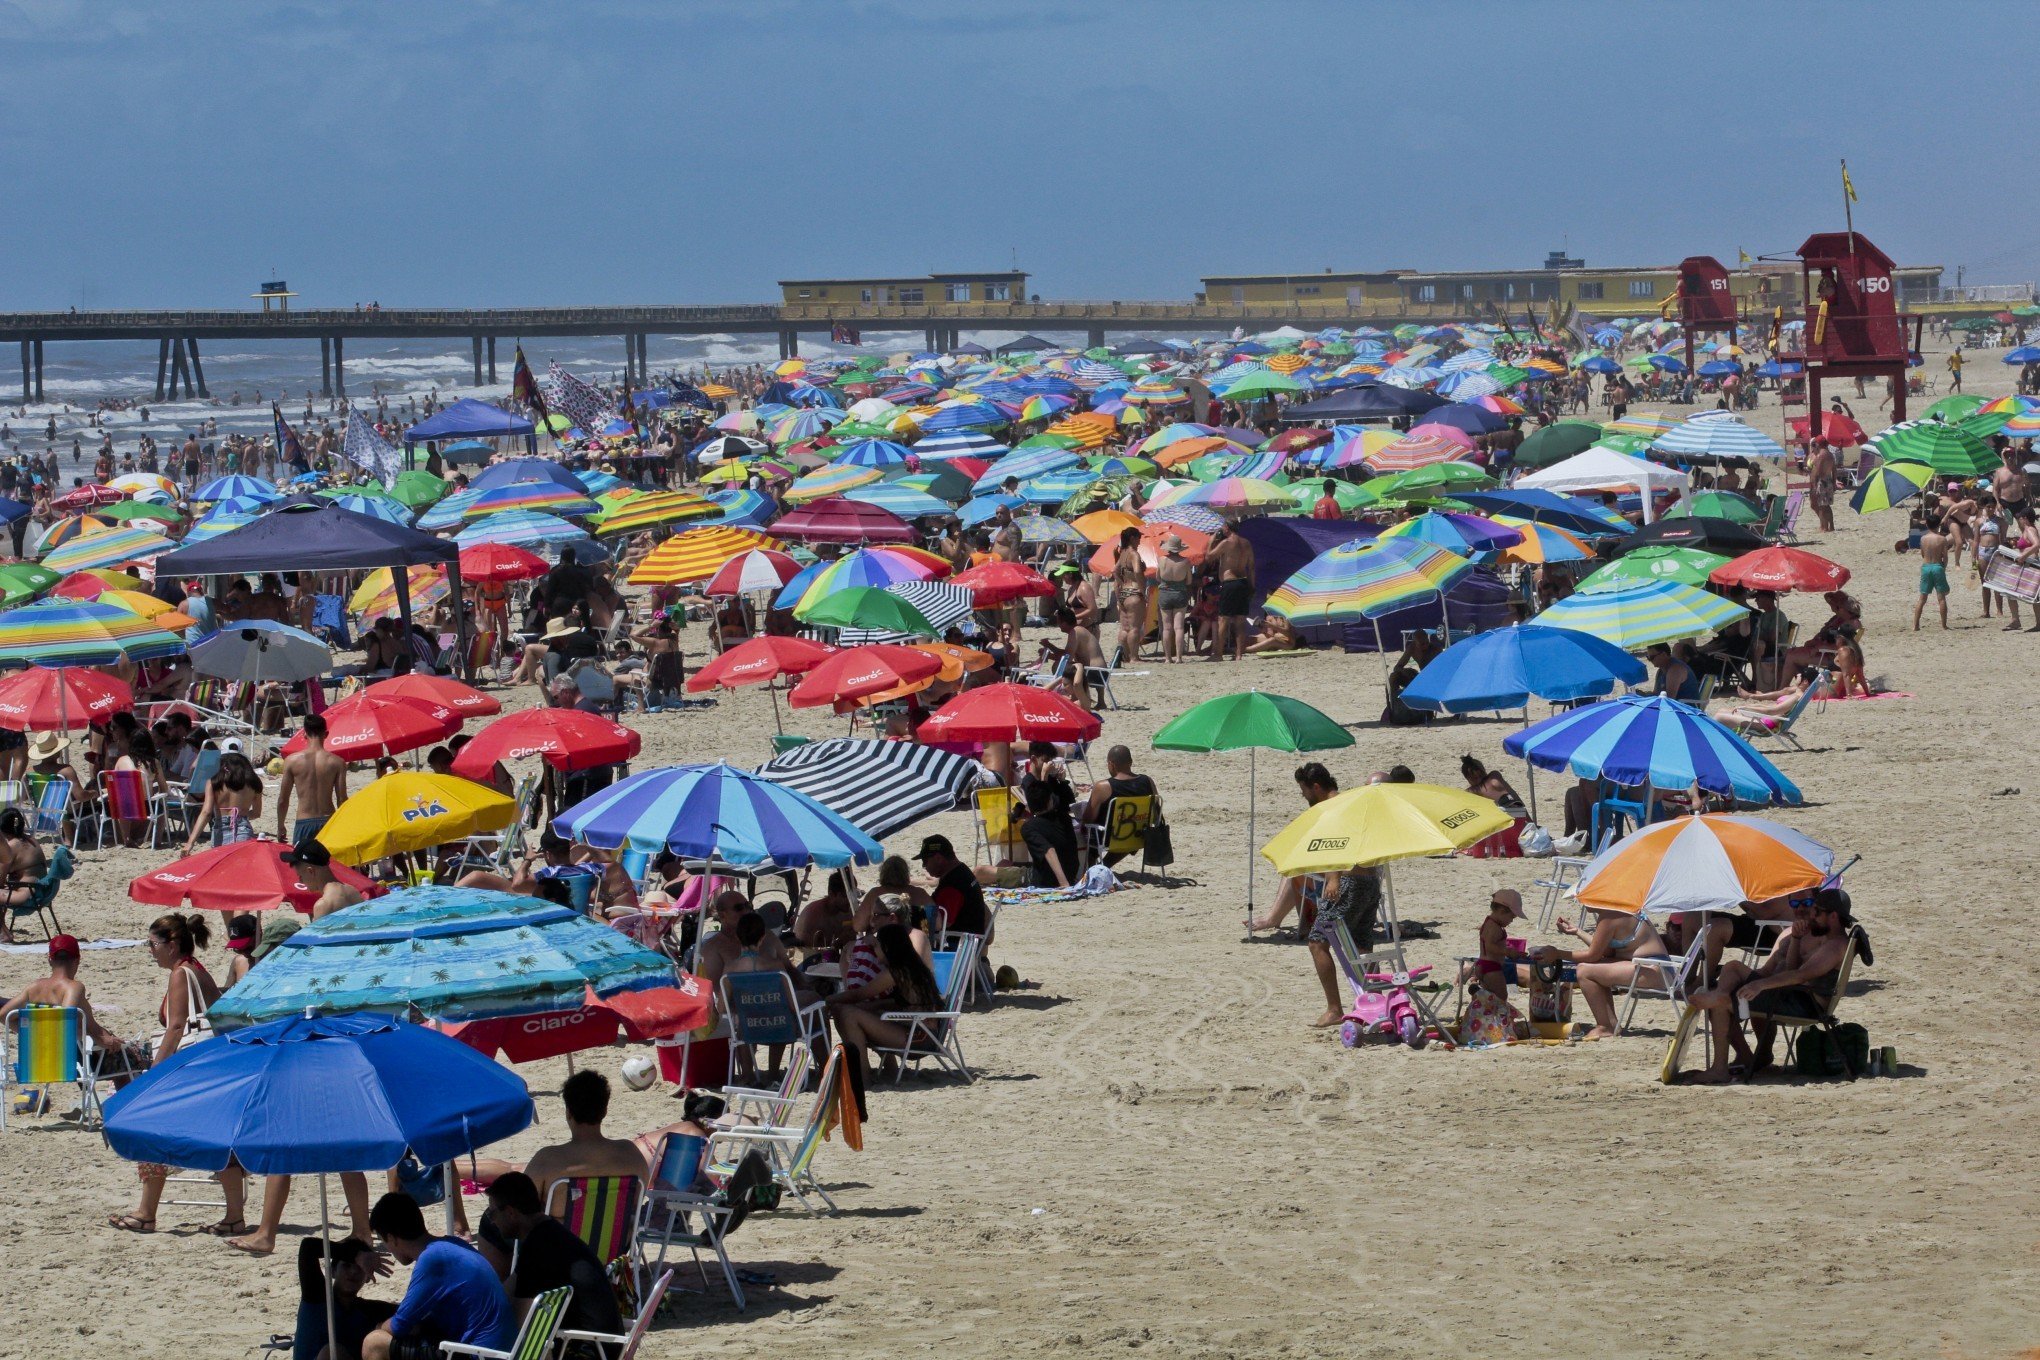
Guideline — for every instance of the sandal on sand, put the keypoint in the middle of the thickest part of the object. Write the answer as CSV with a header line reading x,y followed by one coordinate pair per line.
x,y
224,1228
130,1223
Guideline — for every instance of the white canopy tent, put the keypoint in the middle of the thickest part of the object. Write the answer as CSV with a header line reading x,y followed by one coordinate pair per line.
x,y
1600,469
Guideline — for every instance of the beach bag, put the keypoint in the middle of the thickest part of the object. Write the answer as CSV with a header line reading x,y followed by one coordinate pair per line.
x,y
1828,1051
1157,847
1535,841
425,1184
1489,1021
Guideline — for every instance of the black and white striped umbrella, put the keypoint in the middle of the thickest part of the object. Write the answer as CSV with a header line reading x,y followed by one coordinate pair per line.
x,y
878,786
942,603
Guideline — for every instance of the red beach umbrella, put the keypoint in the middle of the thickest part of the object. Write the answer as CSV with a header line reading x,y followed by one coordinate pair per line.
x,y
70,699
566,738
1009,712
246,876
997,582
371,725
758,660
1781,568
654,1013
497,562
465,700
835,519
860,672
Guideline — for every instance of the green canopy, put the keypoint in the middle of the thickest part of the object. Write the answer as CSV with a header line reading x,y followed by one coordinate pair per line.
x,y
1688,566
1556,443
867,607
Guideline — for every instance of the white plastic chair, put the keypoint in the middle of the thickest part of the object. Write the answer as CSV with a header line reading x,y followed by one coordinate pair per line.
x,y
932,1034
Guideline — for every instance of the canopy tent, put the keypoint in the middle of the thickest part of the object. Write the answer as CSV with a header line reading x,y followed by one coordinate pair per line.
x,y
322,537
1025,344
1601,469
1368,401
470,419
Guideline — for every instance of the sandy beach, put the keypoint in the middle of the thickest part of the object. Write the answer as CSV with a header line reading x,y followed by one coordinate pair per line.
x,y
1161,1155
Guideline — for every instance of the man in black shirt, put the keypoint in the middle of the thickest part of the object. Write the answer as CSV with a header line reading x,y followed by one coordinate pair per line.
x,y
548,1256
566,586
957,890
1051,843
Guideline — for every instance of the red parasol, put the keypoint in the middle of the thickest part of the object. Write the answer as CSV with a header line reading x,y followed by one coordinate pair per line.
x,y
370,725
495,562
654,1013
1781,568
860,672
566,738
835,519
759,659
70,699
465,700
1299,438
1009,712
998,581
85,497
245,876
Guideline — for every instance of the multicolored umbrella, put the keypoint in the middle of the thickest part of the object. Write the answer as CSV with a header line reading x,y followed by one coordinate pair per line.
x,y
106,548
548,496
1365,579
1471,535
1890,484
653,509
1634,740
1635,617
717,813
879,566
1415,450
236,487
377,593
1713,862
696,554
1237,493
1716,436
871,453
61,632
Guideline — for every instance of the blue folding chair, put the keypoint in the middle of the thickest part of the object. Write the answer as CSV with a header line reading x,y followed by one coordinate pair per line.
x,y
763,1008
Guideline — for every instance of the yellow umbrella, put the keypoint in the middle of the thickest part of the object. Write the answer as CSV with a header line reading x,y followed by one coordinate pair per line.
x,y
1381,822
732,472
649,511
148,607
412,811
1103,526
694,554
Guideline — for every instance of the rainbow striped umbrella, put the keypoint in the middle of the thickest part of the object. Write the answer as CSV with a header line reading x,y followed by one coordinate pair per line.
x,y
1237,493
1471,535
879,567
75,526
548,496
1154,392
1634,618
832,480
107,548
217,523
1365,579
1648,423
695,554
62,632
805,423
1045,407
1263,465
1413,451
1350,447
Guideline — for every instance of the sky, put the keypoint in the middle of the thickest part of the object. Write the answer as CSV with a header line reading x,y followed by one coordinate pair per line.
x,y
505,152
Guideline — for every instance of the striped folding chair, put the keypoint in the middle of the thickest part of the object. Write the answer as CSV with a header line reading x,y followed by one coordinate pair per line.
x,y
46,1046
124,797
603,1212
52,802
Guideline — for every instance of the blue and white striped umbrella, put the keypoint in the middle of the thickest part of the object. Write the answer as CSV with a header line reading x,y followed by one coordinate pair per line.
x,y
376,507
1025,466
1468,361
874,453
904,501
595,482
1463,386
741,506
240,505
717,812
1633,740
224,488
1186,517
965,415
1260,466
960,444
1719,435
1093,373
521,528
1054,488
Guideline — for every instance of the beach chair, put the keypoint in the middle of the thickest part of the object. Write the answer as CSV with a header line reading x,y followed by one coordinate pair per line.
x,y
764,1009
1793,1025
1781,728
42,895
932,1034
45,1046
1125,826
1384,968
15,793
754,1105
603,1212
536,1339
1788,521
782,742
123,797
1672,979
997,824
52,806
665,1222
1558,884
624,1347
789,1149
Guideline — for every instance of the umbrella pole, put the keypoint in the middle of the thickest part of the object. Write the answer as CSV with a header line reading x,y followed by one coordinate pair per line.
x,y
326,1254
772,688
1251,802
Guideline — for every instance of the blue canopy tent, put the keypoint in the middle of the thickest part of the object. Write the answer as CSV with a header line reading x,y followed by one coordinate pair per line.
x,y
1369,401
471,419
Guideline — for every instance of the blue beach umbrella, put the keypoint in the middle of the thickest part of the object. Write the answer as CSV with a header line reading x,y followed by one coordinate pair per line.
x,y
1654,741
522,528
1570,513
742,506
878,453
1026,466
450,953
716,812
905,501
979,509
376,507
1600,363
1506,667
257,489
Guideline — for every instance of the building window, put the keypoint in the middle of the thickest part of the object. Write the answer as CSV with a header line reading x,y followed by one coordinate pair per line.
x,y
1466,292
1543,290
1509,292
1308,290
956,292
998,292
1640,288
802,293
821,292
864,295
909,296
1590,292
1427,292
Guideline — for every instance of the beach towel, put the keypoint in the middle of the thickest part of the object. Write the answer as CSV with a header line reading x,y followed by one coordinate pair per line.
x,y
1864,698
43,949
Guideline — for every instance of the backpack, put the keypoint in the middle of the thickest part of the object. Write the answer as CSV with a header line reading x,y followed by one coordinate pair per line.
x,y
1827,1051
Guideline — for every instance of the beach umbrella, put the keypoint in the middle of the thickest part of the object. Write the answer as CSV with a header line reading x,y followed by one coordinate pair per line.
x,y
1885,486
260,649
86,497
696,554
759,661
1637,616
1105,526
1688,566
1959,406
879,566
1714,862
1541,543
835,519
756,569
998,582
377,593
1471,535
407,810
861,673
717,813
1415,450
1042,529
1365,579
1717,436
881,787
1781,568
368,725
871,453
243,876
1505,667
213,525
442,691
742,507
650,509
909,503
1431,482
126,511
1009,712
24,580
107,548
520,528
500,562
375,507
567,739
67,699
418,488
1693,531
866,607
451,511
1719,505
1379,823
1252,721
1238,493
237,487
61,632
599,1022
1949,450
308,1096
1635,740
832,480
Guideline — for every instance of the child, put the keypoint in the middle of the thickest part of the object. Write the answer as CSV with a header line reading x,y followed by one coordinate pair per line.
x,y
1504,908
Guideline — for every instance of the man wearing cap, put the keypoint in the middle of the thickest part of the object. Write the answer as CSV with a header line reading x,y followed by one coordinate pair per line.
x,y
314,865
1327,506
957,890
197,606
318,778
1797,980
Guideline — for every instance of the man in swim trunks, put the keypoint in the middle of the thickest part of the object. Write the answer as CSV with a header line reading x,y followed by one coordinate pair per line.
x,y
1234,559
1933,574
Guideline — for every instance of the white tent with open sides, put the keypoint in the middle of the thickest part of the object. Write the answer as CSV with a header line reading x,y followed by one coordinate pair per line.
x,y
1600,469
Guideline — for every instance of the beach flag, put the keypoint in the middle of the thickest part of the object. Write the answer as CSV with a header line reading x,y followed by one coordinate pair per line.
x,y
577,401
524,386
289,449
1742,256
369,451
1848,185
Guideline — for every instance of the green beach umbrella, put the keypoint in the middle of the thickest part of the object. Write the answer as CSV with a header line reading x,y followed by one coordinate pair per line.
x,y
1984,424
1048,441
1252,721
24,580
867,607
1432,480
1687,566
1308,491
1721,505
1957,407
417,488
1890,484
1556,443
130,510
369,490
1631,444
1263,384
1949,450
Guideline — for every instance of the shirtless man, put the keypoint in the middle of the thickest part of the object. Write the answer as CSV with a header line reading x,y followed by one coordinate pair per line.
x,y
586,1152
62,988
318,778
314,865
718,953
2009,485
1234,559
1820,471
1796,980
1933,574
1080,645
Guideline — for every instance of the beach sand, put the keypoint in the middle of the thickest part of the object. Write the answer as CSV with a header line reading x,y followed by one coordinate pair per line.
x,y
1161,1155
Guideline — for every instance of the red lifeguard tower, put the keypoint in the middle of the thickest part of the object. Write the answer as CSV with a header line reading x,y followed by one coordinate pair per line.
x,y
1853,328
1706,306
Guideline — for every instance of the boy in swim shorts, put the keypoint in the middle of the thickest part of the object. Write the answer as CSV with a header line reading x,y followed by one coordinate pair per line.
x,y
1933,574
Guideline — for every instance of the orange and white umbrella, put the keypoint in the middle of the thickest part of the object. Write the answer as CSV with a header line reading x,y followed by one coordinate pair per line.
x,y
1713,862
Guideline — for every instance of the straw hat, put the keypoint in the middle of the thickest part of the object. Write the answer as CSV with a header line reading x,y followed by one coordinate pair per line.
x,y
559,627
1171,543
47,745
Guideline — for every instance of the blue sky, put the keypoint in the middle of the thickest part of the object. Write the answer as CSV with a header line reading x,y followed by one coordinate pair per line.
x,y
495,152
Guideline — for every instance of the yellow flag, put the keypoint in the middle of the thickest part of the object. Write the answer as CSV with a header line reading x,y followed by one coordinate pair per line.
x,y
1741,256
1848,185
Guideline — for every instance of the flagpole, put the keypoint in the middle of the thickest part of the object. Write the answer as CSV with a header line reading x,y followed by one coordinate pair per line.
x,y
1848,209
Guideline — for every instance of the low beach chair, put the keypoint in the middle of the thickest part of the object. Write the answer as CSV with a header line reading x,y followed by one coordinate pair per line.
x,y
1793,1025
602,1211
932,1034
1123,831
625,1347
997,824
665,1222
1781,728
536,1339
45,1046
52,808
744,1105
1672,979
763,1009
42,896
789,1149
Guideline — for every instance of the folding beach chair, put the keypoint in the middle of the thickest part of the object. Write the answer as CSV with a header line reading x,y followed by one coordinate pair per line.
x,y
608,1346
788,1148
52,805
42,894
1672,979
932,1034
603,1212
1125,826
997,824
667,1214
764,1009
744,1105
45,1046
536,1339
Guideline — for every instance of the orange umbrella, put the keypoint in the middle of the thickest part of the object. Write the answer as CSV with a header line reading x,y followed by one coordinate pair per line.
x,y
1103,526
957,662
1195,545
1186,450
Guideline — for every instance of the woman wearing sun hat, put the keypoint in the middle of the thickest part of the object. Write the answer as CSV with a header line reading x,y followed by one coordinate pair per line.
x,y
1172,597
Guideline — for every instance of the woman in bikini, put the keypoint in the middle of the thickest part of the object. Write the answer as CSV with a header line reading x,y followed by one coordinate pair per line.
x,y
1607,964
1172,578
1129,593
233,803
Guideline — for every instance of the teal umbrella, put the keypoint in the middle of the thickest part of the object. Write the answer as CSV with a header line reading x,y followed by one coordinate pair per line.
x,y
1252,721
